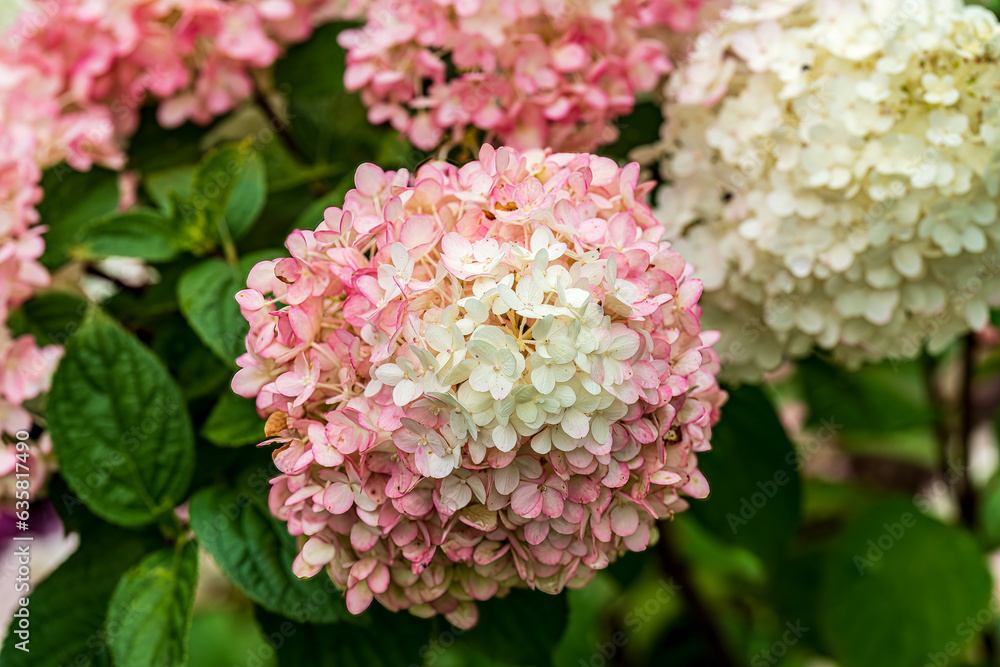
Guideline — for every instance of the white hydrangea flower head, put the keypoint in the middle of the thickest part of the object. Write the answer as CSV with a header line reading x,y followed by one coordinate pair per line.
x,y
831,170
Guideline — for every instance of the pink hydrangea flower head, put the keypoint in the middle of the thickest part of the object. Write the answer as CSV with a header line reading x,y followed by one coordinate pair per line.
x,y
529,73
73,75
479,378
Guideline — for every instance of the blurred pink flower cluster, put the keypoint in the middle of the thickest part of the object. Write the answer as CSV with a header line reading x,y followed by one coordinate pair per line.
x,y
25,368
531,73
479,378
73,75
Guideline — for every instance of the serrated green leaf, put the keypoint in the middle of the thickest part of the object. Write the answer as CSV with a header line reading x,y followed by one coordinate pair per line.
x,y
256,553
233,422
151,609
119,425
899,587
248,197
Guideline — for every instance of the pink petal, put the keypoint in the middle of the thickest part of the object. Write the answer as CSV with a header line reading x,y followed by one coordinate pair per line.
x,y
369,179
359,597
624,520
526,500
378,580
338,498
536,531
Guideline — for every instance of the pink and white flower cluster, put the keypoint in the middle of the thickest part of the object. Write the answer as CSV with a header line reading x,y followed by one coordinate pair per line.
x,y
98,60
538,73
73,75
479,378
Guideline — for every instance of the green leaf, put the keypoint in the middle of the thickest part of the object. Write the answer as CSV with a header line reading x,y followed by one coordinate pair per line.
x,y
207,295
207,299
233,422
230,187
989,512
898,587
248,197
73,199
138,233
255,552
876,398
162,184
67,610
755,498
151,609
394,640
52,318
119,425
502,632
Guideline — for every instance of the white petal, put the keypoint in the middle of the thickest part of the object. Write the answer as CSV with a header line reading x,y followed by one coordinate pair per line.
x,y
542,442
438,337
623,347
600,430
405,391
508,364
389,374
509,298
575,423
498,384
505,438
543,379
527,412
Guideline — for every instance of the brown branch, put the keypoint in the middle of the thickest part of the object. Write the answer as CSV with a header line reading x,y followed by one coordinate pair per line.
x,y
966,494
936,400
279,125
